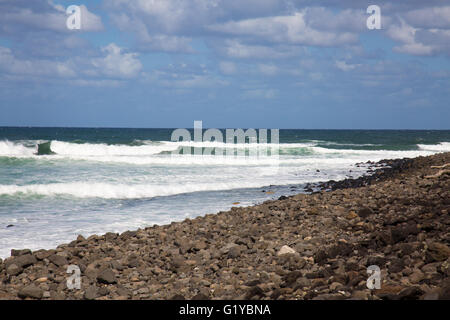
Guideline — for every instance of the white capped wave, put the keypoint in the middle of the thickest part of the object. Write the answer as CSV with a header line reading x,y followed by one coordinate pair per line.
x,y
11,149
89,149
440,147
120,191
150,153
384,154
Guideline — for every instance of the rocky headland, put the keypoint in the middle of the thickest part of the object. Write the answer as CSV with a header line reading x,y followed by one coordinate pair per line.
x,y
306,246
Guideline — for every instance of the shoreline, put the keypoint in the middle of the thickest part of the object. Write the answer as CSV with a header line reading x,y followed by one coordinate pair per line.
x,y
305,246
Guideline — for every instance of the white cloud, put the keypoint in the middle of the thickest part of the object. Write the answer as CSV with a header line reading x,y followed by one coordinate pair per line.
x,y
405,34
10,64
114,63
268,69
291,29
227,67
42,16
234,48
260,94
90,21
117,63
344,66
431,17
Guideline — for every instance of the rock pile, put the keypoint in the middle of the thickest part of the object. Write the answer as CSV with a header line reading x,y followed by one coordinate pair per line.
x,y
315,246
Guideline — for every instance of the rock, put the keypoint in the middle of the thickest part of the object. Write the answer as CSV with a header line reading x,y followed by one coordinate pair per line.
x,y
416,276
106,276
13,270
91,293
388,291
255,291
30,291
291,277
42,254
58,260
103,291
360,295
410,293
234,252
351,215
286,250
335,286
396,265
365,212
437,252
21,261
320,257
432,295
16,253
301,283
200,296
400,233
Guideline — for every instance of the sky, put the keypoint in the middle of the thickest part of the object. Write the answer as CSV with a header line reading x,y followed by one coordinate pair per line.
x,y
307,64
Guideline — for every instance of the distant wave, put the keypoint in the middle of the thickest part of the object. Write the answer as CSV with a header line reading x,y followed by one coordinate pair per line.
x,y
119,191
148,152
440,147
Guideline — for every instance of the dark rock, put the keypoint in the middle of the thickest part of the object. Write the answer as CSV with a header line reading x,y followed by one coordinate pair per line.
x,y
42,254
21,261
396,265
110,236
290,278
30,291
106,276
103,291
58,260
253,283
127,235
437,252
13,270
16,253
320,257
91,293
410,293
177,297
376,260
200,296
400,233
255,291
234,252
275,294
364,212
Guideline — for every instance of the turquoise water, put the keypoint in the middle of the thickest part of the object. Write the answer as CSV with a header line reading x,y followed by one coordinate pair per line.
x,y
100,180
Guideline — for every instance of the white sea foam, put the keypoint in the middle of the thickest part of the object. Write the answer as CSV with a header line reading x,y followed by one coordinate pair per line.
x,y
440,147
11,149
121,191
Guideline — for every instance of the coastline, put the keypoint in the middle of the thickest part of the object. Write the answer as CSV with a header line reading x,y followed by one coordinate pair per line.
x,y
306,246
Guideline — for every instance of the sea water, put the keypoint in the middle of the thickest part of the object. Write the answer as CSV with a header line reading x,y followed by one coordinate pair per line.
x,y
96,180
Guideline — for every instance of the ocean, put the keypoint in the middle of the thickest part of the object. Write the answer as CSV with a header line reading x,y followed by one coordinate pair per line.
x,y
96,180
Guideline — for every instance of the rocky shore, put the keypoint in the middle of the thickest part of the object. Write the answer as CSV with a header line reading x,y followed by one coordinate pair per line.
x,y
307,246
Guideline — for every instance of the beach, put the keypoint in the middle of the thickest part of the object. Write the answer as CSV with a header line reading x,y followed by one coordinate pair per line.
x,y
304,246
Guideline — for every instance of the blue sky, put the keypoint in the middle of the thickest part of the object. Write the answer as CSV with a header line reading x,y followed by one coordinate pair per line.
x,y
231,63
